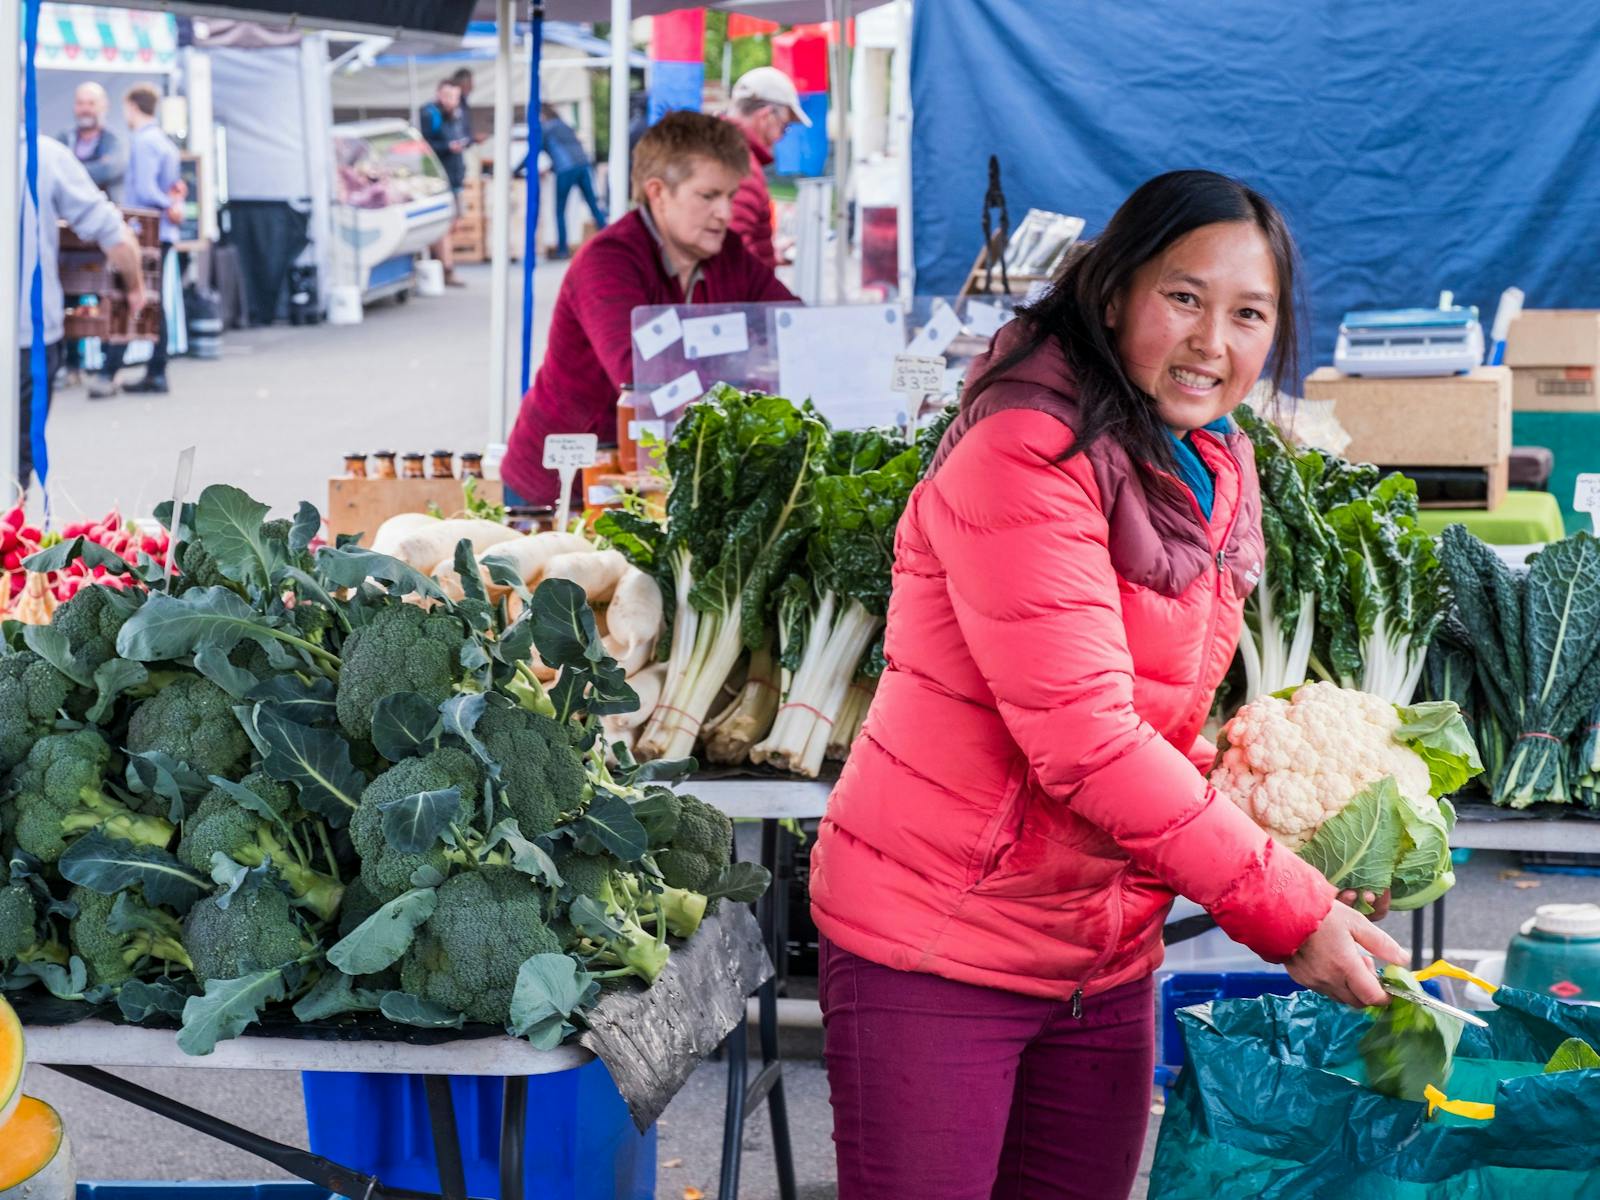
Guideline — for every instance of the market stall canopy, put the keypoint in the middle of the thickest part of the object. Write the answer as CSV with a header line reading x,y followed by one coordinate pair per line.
x,y
785,12
446,18
81,37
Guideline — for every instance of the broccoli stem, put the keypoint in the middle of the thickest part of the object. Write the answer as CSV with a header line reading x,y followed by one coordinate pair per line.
x,y
96,811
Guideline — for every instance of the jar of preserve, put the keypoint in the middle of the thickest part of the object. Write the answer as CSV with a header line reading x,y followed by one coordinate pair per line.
x,y
443,465
411,466
385,464
471,465
355,466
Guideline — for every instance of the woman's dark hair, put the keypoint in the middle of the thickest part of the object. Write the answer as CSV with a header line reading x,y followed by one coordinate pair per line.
x,y
1073,311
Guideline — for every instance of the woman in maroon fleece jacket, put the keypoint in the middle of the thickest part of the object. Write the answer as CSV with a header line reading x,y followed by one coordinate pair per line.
x,y
673,248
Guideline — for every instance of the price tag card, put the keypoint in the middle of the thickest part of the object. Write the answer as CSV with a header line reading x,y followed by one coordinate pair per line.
x,y
918,375
707,337
638,430
655,337
933,338
569,451
1586,497
672,396
985,320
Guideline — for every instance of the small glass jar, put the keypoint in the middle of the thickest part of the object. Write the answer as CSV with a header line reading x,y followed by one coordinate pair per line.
x,y
355,466
411,466
385,464
627,441
471,465
443,465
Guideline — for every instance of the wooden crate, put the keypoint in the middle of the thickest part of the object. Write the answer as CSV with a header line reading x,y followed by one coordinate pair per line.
x,y
145,223
1460,487
469,240
361,505
1434,421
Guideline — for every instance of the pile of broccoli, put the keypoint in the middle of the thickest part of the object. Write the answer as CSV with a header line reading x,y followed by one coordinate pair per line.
x,y
297,779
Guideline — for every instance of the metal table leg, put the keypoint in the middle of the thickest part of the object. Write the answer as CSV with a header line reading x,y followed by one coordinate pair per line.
x,y
1419,932
513,1137
1438,929
777,1104
736,1052
446,1138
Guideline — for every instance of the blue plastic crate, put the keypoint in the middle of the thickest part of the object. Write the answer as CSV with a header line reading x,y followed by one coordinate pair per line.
x,y
143,1189
581,1141
1184,989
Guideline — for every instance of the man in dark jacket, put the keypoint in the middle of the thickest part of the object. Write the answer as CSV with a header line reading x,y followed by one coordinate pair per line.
x,y
99,150
570,164
443,128
765,104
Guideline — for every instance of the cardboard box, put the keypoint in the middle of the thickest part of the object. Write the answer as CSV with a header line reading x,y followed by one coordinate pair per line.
x,y
1435,421
361,505
1554,337
1554,389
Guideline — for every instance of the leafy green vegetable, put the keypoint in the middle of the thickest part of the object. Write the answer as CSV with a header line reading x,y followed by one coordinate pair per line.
x,y
1410,1045
1574,1054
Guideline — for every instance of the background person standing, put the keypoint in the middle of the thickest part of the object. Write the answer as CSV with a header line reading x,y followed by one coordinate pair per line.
x,y
153,181
99,150
765,104
572,167
442,120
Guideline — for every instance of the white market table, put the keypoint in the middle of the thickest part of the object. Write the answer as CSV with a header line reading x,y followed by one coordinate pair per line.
x,y
82,1050
772,802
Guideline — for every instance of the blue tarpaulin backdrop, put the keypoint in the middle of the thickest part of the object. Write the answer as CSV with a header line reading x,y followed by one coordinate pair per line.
x,y
1413,147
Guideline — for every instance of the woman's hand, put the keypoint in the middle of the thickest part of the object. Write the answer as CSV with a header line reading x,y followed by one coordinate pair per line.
x,y
1333,960
1378,904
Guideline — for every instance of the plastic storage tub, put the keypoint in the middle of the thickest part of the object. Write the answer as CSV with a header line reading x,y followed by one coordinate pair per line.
x,y
1557,952
581,1141
146,1189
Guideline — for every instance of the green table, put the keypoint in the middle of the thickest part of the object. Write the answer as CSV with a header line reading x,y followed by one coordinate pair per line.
x,y
1574,439
1523,519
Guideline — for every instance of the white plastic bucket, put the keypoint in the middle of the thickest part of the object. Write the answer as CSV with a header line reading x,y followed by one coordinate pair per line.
x,y
344,306
430,277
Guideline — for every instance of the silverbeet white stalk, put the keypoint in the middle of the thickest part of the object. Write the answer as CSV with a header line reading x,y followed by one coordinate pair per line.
x,y
834,649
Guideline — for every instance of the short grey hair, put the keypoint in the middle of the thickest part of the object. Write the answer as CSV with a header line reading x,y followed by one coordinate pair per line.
x,y
749,106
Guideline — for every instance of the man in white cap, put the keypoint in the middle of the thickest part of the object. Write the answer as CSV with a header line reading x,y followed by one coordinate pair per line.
x,y
765,103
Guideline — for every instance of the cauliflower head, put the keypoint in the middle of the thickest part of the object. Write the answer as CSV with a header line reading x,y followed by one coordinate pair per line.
x,y
1292,764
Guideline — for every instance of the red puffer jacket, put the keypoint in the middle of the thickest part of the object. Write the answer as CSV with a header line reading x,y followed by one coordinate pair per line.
x,y
1027,795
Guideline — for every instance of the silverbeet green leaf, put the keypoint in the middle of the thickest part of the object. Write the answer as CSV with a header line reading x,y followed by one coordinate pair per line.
x,y
383,938
215,666
228,523
108,865
412,824
50,644
317,761
1357,847
408,1010
405,724
228,1007
549,988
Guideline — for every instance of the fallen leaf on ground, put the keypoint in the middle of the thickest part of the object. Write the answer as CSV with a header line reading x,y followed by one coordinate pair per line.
x,y
693,1194
1525,884
1505,875
672,1162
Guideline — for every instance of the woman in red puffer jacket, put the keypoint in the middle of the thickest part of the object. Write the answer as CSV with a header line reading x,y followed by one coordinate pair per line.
x,y
1029,792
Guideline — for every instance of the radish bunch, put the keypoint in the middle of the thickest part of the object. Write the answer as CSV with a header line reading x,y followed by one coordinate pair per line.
x,y
20,540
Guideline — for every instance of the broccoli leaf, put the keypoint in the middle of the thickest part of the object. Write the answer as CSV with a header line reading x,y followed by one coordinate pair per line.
x,y
383,938
111,679
317,761
307,523
227,1008
549,988
63,554
659,812
333,994
412,824
303,703
173,626
609,826
215,665
351,566
568,640
589,917
526,856
1439,735
405,724
139,999
108,865
460,715
229,525
740,882
1574,1054
1357,847
466,565
64,983
249,801
50,644
409,1010
229,877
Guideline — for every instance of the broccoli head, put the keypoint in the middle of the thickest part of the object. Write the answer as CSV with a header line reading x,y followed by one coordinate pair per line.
x,y
191,720
700,850
32,692
386,871
58,793
401,649
255,932
115,934
467,954
91,621
641,915
541,773
220,824
19,920
197,569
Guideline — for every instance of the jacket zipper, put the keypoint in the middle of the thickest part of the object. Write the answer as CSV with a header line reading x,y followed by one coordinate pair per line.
x,y
1105,955
1220,558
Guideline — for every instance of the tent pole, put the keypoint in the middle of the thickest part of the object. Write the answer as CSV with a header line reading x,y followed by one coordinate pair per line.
x,y
839,14
617,173
10,243
411,90
901,107
500,226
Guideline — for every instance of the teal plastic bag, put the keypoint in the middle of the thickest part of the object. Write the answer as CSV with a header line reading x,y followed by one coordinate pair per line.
x,y
1270,1105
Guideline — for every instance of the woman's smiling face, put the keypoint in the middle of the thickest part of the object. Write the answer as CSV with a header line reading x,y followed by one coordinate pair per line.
x,y
1195,325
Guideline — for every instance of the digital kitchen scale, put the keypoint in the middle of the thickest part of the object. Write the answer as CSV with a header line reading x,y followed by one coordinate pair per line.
x,y
1409,341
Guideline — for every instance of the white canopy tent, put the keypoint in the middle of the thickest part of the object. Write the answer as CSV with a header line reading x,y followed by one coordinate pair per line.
x,y
448,19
